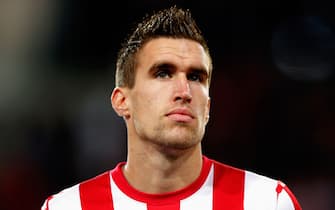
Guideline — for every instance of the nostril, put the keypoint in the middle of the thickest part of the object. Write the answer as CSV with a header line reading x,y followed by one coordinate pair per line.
x,y
185,97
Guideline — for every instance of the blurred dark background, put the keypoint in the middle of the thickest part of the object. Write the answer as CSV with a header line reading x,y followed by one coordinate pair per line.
x,y
273,94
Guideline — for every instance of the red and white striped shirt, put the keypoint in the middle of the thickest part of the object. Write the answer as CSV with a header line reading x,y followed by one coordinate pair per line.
x,y
219,187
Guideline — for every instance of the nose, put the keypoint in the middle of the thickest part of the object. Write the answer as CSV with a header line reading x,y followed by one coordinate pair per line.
x,y
182,89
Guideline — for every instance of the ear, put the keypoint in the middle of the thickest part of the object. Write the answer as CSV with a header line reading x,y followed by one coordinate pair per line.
x,y
119,102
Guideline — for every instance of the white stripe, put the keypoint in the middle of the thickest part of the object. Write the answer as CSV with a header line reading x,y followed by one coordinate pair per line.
x,y
259,192
203,198
284,201
122,202
66,199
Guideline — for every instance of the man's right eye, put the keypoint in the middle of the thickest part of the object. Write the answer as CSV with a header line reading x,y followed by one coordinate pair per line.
x,y
162,74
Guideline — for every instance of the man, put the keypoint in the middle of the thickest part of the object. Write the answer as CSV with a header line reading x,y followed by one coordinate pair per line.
x,y
163,76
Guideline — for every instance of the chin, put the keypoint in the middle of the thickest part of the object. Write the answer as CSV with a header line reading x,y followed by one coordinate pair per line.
x,y
181,142
175,150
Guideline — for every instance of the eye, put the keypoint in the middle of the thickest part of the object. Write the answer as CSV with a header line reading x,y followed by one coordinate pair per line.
x,y
163,74
195,76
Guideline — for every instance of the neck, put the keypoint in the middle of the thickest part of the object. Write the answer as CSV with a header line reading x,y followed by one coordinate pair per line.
x,y
153,171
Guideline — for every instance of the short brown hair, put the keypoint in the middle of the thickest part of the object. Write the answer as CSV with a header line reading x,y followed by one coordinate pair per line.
x,y
172,22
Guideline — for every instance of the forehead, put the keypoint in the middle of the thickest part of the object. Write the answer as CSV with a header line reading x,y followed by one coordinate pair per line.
x,y
181,51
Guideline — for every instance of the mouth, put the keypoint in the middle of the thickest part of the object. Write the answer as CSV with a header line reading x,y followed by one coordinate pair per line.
x,y
180,115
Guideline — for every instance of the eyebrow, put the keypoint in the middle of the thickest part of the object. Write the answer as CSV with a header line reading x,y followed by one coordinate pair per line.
x,y
162,65
166,65
201,71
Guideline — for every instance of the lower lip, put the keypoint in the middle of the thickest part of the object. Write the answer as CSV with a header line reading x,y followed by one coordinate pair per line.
x,y
180,117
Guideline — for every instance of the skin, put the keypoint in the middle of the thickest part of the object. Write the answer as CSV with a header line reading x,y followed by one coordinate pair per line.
x,y
166,113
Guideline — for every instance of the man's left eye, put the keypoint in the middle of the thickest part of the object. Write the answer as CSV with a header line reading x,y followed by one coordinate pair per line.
x,y
194,77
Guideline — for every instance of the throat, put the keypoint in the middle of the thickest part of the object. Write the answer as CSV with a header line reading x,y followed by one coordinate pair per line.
x,y
155,175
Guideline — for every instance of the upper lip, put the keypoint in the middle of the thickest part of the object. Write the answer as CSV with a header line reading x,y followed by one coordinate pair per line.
x,y
182,111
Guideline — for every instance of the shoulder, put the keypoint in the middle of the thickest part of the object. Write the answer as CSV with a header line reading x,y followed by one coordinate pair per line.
x,y
270,192
264,182
258,191
250,180
70,198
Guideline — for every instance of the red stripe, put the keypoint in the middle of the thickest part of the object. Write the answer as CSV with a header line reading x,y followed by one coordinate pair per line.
x,y
47,203
228,188
174,206
96,193
293,198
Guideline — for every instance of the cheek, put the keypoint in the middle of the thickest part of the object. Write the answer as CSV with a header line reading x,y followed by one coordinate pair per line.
x,y
204,98
206,111
143,101
206,106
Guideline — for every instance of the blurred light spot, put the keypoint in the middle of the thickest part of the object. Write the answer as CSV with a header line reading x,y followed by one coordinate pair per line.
x,y
303,48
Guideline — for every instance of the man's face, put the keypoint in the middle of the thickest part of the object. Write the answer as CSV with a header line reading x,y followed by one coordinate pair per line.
x,y
169,103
